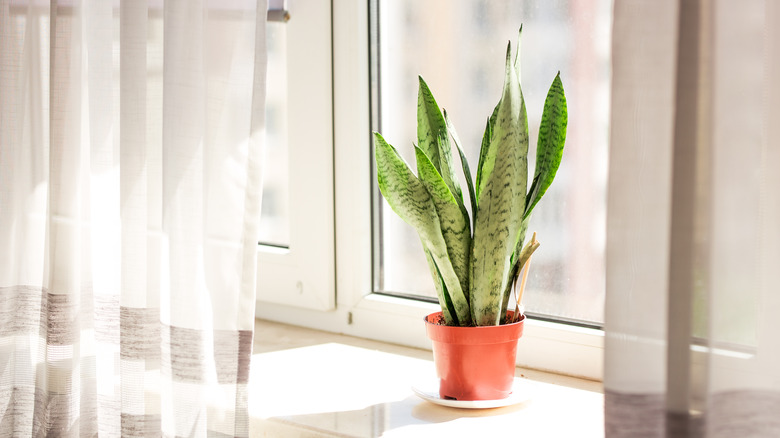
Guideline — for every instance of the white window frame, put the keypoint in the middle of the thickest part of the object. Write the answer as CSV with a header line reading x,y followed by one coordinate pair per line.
x,y
358,311
303,274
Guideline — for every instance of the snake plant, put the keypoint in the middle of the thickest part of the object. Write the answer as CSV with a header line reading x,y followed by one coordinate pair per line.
x,y
474,262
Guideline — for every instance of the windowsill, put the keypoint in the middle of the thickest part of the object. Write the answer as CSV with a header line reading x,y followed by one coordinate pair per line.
x,y
308,383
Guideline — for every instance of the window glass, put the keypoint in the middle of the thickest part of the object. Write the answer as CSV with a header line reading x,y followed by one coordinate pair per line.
x,y
459,49
274,216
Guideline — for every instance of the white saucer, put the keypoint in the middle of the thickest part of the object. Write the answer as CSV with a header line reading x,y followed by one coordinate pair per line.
x,y
429,391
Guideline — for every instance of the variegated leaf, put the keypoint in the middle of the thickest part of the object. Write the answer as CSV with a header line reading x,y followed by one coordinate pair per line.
x,y
549,146
409,198
433,140
464,163
501,206
483,172
454,224
517,55
447,309
484,151
514,262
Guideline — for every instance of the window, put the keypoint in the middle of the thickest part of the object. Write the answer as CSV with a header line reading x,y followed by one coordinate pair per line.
x,y
355,307
461,57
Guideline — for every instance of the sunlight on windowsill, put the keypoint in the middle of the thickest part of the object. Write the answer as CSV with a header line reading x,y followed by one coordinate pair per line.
x,y
307,383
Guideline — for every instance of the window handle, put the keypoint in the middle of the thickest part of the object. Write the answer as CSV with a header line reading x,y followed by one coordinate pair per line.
x,y
277,11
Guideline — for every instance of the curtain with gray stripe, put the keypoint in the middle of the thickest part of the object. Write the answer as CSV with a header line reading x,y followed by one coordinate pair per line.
x,y
693,240
130,178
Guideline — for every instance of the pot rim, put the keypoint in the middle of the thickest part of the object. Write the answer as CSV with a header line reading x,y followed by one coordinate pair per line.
x,y
481,335
488,327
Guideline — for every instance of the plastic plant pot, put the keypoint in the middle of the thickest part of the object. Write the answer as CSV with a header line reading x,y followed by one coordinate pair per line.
x,y
474,363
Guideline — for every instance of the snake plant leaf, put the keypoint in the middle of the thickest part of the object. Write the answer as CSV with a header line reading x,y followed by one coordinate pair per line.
x,y
549,146
430,122
433,140
525,254
482,172
409,198
454,223
463,162
499,216
514,263
517,54
447,308
487,137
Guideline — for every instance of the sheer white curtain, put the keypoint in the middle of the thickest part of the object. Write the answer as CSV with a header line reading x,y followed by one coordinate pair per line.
x,y
130,178
693,251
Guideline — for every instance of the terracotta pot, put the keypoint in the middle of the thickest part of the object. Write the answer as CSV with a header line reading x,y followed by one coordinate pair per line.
x,y
474,363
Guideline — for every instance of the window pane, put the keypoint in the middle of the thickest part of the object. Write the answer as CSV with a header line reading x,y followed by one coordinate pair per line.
x,y
460,53
274,216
